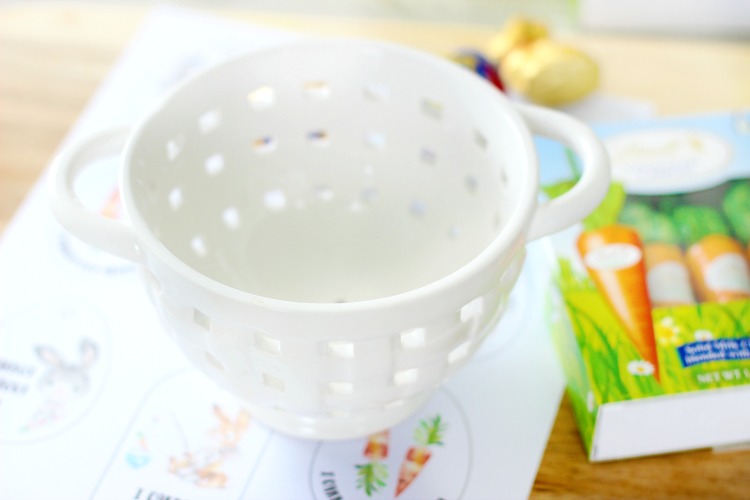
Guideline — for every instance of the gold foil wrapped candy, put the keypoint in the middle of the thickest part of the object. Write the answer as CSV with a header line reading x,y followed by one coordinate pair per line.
x,y
541,69
549,73
516,32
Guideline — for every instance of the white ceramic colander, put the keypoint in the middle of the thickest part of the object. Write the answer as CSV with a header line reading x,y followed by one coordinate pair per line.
x,y
330,228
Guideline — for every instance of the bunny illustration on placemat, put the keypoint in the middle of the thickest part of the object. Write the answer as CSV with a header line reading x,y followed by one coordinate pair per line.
x,y
204,467
62,382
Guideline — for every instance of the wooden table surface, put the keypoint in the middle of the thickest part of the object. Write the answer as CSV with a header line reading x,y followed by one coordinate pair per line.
x,y
53,56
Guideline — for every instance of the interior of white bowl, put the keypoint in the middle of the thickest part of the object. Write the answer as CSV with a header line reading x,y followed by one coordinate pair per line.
x,y
328,171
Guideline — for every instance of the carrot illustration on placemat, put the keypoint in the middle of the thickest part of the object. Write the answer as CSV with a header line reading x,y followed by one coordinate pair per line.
x,y
428,433
373,475
112,207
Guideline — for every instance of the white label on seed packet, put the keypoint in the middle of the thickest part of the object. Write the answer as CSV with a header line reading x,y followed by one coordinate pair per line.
x,y
728,272
613,257
668,161
669,283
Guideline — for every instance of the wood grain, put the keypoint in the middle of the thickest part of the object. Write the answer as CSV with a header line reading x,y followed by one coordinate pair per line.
x,y
53,56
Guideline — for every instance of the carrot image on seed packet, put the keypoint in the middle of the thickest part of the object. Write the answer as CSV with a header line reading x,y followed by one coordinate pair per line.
x,y
429,433
614,258
715,259
667,275
372,476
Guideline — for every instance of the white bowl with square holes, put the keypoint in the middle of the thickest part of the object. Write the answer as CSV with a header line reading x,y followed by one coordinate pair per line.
x,y
330,228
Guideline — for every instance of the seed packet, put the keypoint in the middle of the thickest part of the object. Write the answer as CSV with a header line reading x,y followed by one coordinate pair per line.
x,y
650,310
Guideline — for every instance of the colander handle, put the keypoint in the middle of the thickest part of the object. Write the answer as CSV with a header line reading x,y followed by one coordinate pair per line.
x,y
105,233
564,211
